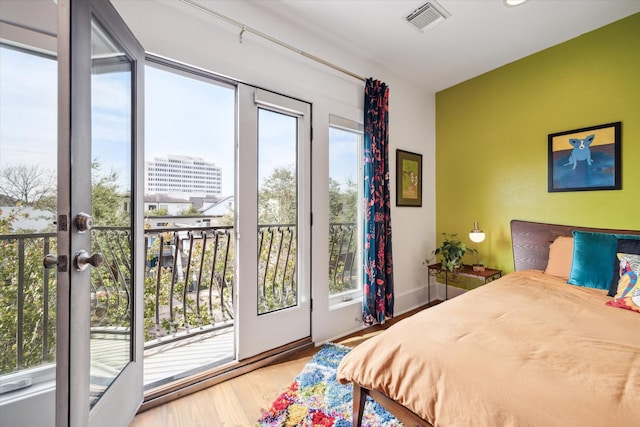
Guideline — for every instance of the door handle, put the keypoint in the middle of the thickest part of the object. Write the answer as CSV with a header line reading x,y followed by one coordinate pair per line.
x,y
52,260
83,222
83,260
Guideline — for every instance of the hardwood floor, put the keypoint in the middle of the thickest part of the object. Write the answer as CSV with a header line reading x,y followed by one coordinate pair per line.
x,y
239,402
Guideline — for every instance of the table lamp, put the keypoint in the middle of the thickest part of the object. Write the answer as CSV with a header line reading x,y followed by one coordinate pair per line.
x,y
476,235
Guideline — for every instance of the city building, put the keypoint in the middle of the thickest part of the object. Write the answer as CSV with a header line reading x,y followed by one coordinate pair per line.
x,y
182,175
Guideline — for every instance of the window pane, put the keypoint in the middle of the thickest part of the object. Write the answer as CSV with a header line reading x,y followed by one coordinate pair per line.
x,y
344,235
28,194
277,211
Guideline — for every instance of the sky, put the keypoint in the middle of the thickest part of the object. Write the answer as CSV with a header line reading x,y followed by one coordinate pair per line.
x,y
183,116
189,117
111,124
343,156
28,109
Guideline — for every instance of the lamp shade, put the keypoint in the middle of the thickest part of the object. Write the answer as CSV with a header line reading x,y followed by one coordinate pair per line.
x,y
512,3
476,235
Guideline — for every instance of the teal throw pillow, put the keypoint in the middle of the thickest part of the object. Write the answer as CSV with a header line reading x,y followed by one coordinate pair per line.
x,y
593,258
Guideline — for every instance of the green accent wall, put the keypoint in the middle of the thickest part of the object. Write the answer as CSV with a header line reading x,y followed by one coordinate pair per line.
x,y
491,139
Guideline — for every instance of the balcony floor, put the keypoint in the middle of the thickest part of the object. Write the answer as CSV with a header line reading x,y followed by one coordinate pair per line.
x,y
185,357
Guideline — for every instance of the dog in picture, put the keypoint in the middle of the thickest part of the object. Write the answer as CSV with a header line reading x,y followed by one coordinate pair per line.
x,y
580,150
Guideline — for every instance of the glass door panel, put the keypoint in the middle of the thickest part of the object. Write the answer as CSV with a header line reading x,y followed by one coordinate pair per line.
x,y
111,166
277,211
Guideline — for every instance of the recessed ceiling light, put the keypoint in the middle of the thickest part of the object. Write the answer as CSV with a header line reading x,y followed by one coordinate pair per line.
x,y
513,2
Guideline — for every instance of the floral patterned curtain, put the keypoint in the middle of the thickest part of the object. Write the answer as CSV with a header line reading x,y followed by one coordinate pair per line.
x,y
378,262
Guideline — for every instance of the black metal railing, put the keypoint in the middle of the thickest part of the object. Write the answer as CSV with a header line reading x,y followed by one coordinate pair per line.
x,y
111,282
343,264
189,283
27,301
188,288
189,277
277,253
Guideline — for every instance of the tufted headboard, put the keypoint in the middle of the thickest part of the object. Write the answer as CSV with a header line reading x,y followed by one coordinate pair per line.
x,y
530,241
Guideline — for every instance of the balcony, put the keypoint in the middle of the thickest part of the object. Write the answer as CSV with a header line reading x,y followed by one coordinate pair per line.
x,y
189,285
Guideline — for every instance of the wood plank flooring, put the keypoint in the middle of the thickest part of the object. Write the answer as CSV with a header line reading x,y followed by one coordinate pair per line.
x,y
239,402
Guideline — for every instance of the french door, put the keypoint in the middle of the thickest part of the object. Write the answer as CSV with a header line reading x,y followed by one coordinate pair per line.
x,y
95,256
99,224
273,219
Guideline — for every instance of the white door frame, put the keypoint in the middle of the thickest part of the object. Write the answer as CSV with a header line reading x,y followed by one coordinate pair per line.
x,y
259,333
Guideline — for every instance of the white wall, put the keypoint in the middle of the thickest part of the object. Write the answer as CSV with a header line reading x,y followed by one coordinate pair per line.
x,y
179,32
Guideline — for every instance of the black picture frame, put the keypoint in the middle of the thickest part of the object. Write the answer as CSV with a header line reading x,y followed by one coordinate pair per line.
x,y
585,159
408,179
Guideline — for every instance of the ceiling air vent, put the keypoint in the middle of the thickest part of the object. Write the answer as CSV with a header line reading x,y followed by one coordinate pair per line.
x,y
426,16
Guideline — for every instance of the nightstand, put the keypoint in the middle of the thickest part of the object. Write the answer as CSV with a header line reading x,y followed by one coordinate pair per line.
x,y
488,275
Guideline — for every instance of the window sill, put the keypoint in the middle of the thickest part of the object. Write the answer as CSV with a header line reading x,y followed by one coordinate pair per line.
x,y
337,303
42,381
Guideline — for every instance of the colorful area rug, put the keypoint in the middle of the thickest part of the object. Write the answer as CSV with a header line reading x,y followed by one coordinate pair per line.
x,y
316,398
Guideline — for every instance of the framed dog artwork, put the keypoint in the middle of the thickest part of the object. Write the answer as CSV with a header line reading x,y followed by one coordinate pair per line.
x,y
585,159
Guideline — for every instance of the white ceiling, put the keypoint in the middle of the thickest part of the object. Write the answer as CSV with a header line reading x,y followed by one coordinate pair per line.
x,y
480,35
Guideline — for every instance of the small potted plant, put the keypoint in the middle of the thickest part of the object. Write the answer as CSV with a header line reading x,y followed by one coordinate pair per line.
x,y
452,250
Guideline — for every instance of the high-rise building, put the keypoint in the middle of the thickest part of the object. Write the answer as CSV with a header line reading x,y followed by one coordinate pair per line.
x,y
182,174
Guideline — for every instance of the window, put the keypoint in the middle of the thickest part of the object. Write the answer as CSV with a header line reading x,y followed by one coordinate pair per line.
x,y
345,213
28,189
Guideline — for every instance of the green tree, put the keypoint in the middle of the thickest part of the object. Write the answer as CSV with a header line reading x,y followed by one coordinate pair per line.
x,y
228,218
190,211
107,200
277,198
111,282
212,263
277,205
157,212
29,292
342,201
343,214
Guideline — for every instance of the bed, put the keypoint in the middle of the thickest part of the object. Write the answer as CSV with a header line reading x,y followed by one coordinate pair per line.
x,y
528,349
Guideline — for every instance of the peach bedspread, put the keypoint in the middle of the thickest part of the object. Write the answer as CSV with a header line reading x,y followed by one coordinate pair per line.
x,y
525,350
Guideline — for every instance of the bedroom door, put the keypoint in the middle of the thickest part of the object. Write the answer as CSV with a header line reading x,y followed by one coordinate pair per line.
x,y
100,254
273,217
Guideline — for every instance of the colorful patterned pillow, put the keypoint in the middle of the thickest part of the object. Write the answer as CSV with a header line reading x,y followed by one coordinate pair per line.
x,y
628,293
625,246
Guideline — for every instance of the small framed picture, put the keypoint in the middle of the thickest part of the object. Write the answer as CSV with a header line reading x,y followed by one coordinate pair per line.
x,y
408,179
585,159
